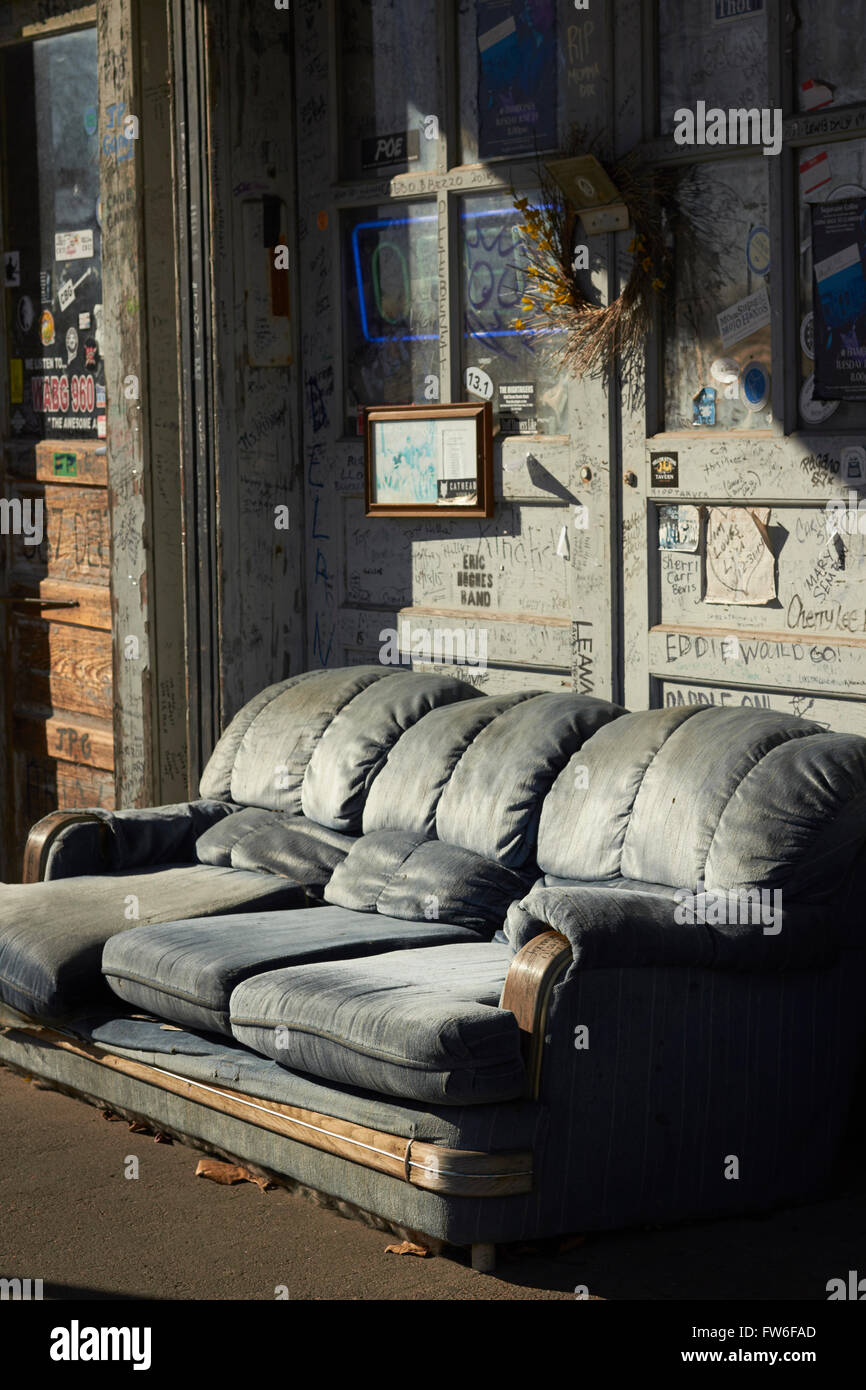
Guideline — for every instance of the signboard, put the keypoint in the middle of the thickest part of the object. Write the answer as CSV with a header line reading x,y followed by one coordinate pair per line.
x,y
839,299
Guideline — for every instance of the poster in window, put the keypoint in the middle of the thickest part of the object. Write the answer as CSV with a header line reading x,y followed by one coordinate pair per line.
x,y
425,460
839,299
517,66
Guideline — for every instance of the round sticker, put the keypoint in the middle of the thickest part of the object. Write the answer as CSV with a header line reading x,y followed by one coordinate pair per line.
x,y
322,220
815,412
756,385
91,355
90,119
758,250
71,343
586,188
46,328
25,314
478,383
807,335
725,369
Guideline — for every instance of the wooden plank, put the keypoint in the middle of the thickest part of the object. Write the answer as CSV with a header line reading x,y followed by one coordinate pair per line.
x,y
42,784
423,1164
65,462
76,544
59,666
70,737
93,605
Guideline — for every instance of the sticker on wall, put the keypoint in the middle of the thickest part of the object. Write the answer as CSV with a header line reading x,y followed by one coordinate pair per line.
x,y
814,174
25,313
478,383
64,465
725,370
46,328
664,470
100,427
16,380
399,148
744,318
755,386
516,401
679,528
814,95
90,119
739,560
807,335
91,355
65,295
11,269
45,286
758,251
100,397
815,412
726,10
71,344
73,246
322,220
853,464
83,321
704,406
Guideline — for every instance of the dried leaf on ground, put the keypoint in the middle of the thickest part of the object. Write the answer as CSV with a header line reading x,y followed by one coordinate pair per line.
x,y
228,1173
139,1127
160,1138
407,1248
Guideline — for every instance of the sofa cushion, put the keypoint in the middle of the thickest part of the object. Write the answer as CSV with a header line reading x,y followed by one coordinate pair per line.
x,y
186,970
421,1024
722,797
277,843
269,756
52,934
401,874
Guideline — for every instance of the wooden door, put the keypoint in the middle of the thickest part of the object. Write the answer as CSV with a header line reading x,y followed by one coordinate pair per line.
x,y
55,624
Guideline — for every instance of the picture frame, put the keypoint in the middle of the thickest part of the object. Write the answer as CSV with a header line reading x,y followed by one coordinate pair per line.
x,y
429,460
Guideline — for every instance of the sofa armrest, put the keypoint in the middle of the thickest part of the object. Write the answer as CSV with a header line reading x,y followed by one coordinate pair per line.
x,y
67,844
526,993
608,929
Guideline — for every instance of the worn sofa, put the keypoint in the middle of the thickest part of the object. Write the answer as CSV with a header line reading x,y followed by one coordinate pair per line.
x,y
485,967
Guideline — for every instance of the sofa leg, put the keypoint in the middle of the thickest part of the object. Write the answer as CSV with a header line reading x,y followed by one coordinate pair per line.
x,y
484,1258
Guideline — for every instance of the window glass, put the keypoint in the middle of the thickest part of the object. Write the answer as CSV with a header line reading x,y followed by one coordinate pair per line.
x,y
387,86
829,47
717,332
515,367
390,306
826,174
713,51
53,264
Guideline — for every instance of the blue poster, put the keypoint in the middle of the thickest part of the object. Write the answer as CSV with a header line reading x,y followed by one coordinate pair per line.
x,y
517,77
839,299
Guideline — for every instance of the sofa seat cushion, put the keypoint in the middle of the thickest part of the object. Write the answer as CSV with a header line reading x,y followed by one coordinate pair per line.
x,y
52,934
276,843
402,874
186,970
422,1024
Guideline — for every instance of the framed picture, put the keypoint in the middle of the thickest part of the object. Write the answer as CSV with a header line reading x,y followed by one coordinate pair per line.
x,y
423,460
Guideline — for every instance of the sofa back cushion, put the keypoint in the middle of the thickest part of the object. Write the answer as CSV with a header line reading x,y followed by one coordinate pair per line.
x,y
269,755
475,777
728,797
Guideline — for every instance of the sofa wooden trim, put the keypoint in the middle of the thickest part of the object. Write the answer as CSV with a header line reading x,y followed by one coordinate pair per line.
x,y
42,836
455,1172
526,993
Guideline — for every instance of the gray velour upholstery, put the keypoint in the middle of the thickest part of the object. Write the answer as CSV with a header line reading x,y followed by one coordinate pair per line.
x,y
136,839
722,797
269,755
422,1024
277,843
186,971
52,934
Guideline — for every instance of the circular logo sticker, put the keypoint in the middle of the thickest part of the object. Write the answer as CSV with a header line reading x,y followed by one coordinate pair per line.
x,y
46,328
815,412
756,385
71,343
758,250
478,383
25,313
807,335
90,119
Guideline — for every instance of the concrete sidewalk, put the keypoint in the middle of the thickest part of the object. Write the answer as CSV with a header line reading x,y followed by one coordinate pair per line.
x,y
70,1217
